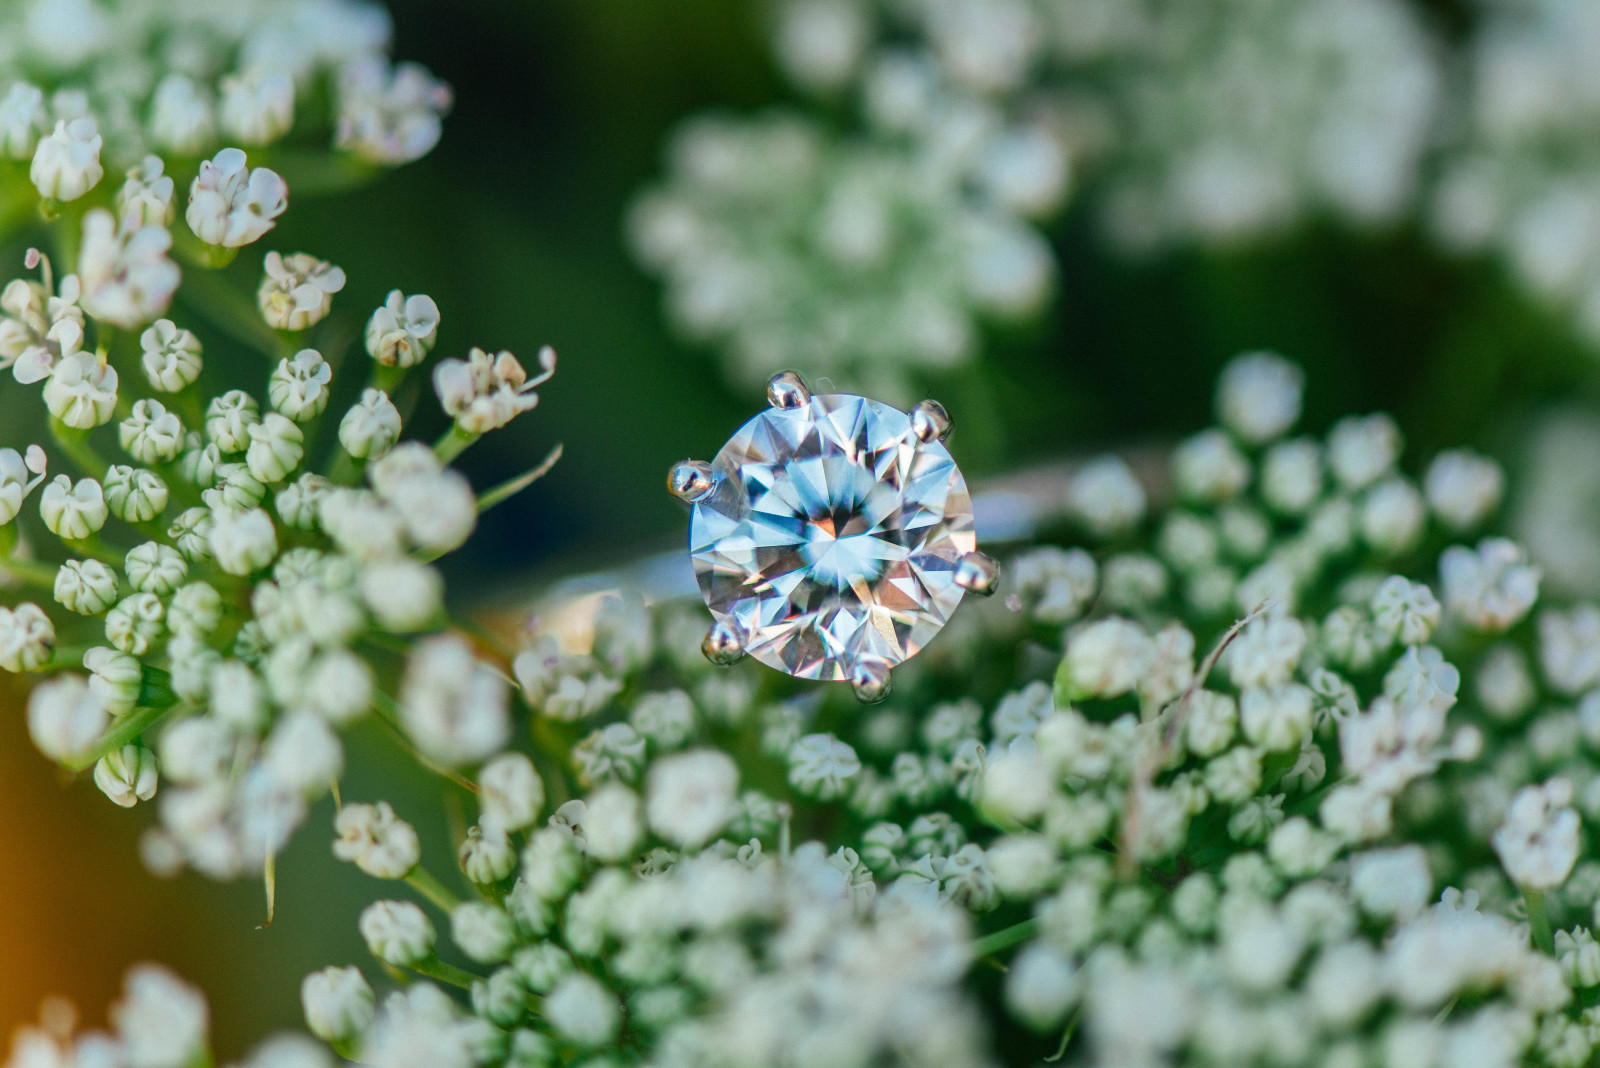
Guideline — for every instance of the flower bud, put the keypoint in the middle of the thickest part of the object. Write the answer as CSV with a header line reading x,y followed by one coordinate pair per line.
x,y
376,840
171,359
486,855
128,775
197,749
73,511
402,332
298,291
484,933
66,162
404,595
64,718
397,932
231,205
303,754
276,448
228,421
338,1003
339,687
27,637
300,502
86,587
582,1010
23,120
512,792
502,999
135,623
115,677
151,434
134,494
181,116
551,864
81,391
243,542
371,427
191,533
541,966
257,107
155,568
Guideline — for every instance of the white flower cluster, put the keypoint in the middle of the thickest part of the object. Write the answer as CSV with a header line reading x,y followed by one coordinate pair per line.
x,y
80,80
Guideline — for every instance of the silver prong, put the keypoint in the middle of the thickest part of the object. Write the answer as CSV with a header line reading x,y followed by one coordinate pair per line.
x,y
788,390
690,480
870,679
724,642
929,421
978,572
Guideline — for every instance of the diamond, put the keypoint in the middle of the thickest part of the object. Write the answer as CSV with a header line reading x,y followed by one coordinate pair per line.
x,y
831,534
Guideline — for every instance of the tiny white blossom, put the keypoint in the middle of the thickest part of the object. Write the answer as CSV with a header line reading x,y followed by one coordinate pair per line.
x,y
155,568
455,707
134,494
1106,658
161,1019
298,290
15,483
337,1002
1055,585
1106,498
66,162
820,766
87,587
134,623
486,855
81,390
371,426
484,933
231,205
1362,449
1405,611
145,198
1393,517
127,775
388,115
1463,488
483,392
73,510
1491,588
404,595
397,932
257,106
127,277
115,678
276,448
1259,396
64,717
1266,652
243,542
302,754
1291,476
182,117
1208,467
1539,842
376,840
512,792
1569,649
150,434
402,331
171,359
690,796
582,1010
612,823
27,637
23,120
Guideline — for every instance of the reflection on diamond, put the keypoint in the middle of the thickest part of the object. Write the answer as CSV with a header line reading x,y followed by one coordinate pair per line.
x,y
832,533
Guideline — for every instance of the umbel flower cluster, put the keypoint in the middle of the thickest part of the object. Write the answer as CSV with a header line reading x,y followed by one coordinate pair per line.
x,y
940,135
1292,766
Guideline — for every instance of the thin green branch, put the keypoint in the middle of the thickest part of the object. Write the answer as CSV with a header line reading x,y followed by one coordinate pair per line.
x,y
511,487
122,732
1005,938
434,968
423,882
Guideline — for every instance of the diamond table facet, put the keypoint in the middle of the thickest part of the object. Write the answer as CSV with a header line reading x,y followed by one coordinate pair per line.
x,y
832,534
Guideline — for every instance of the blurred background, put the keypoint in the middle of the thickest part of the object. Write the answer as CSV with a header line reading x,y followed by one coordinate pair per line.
x,y
516,226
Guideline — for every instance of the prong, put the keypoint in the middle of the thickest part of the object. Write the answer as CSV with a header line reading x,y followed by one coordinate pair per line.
x,y
788,390
929,421
690,480
724,643
978,572
870,679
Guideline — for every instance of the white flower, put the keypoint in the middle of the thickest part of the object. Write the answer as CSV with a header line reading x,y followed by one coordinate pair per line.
x,y
134,624
1362,449
388,115
302,754
1463,488
338,1003
1579,954
161,1019
1208,467
276,448
1539,841
27,637
1266,652
65,719
401,333
81,390
127,775
257,106
1055,585
182,119
1041,985
243,542
1490,588
582,1010
612,823
1392,883
15,485
66,162
297,291
115,678
1344,983
484,932
690,796
1291,476
666,719
87,587
1569,649
483,392
511,791
821,766
404,595
339,687
1276,719
228,420
134,494
73,510
1259,396
1211,721
23,119
435,503
376,840
820,42
171,359
486,855
1106,498
1405,611
1106,658
155,568
454,706
371,427
231,205
150,434
397,932
1393,516
145,198
126,275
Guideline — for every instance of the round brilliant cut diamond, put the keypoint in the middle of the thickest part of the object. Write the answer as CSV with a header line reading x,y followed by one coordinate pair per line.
x,y
831,535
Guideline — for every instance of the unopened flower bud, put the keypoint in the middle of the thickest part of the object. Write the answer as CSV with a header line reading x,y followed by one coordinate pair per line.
x,y
298,290
338,1003
86,587
243,542
376,840
150,434
171,358
134,494
484,932
66,163
257,107
397,932
135,623
115,677
27,637
73,510
276,448
64,718
486,855
128,775
81,390
371,426
402,332
512,792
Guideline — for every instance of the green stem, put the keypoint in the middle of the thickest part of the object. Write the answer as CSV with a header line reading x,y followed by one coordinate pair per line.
x,y
74,444
434,968
1005,938
389,713
209,294
121,733
453,443
30,571
1539,921
511,487
423,882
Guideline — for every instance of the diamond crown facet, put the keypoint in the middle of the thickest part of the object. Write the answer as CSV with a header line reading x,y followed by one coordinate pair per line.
x,y
830,536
